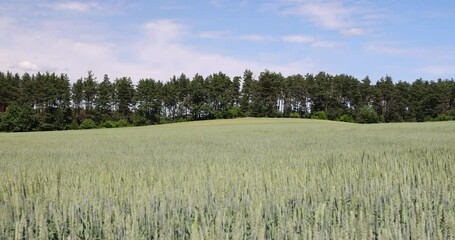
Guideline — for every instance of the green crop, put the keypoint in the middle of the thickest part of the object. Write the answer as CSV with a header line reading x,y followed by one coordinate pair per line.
x,y
231,179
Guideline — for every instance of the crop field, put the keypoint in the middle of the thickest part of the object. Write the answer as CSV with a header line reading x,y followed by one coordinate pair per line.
x,y
231,179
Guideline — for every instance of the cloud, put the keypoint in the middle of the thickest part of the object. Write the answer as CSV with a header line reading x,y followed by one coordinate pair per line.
x,y
255,37
297,39
331,15
308,40
213,34
349,18
27,66
74,6
352,32
160,50
166,58
32,48
325,44
164,30
388,48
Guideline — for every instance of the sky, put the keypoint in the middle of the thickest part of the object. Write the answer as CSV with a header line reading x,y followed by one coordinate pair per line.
x,y
157,39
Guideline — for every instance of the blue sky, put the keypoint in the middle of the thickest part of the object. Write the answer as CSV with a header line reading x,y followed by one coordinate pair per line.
x,y
157,39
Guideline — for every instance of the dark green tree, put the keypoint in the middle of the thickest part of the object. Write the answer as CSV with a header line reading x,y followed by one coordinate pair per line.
x,y
77,94
124,96
399,109
366,90
268,94
219,95
198,95
384,92
183,94
417,96
170,99
322,91
9,89
104,100
247,93
148,99
90,92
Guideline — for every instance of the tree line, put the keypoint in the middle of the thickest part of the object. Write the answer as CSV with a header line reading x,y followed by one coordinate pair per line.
x,y
49,101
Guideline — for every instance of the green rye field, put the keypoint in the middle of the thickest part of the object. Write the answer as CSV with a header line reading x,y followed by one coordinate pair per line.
x,y
231,179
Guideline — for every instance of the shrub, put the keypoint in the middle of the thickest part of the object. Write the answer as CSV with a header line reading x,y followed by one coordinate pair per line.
x,y
139,120
368,115
334,114
18,119
294,115
234,112
108,124
452,113
73,125
122,123
443,117
319,115
182,119
46,127
88,124
345,118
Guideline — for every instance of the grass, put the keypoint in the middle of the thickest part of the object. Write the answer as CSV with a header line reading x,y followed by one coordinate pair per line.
x,y
231,179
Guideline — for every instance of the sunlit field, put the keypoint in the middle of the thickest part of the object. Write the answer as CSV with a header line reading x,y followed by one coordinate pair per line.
x,y
231,179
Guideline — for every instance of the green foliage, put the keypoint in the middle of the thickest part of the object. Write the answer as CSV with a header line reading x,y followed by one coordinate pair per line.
x,y
73,125
139,119
345,118
294,115
88,124
443,117
18,118
108,124
233,112
367,115
319,115
452,112
121,123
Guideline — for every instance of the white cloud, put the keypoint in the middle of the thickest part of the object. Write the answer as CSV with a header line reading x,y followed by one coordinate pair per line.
x,y
30,49
388,48
352,32
255,38
213,34
349,18
325,44
308,40
331,15
297,39
27,66
166,58
164,30
74,6
159,52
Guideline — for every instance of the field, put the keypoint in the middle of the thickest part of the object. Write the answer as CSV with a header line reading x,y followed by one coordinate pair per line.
x,y
231,179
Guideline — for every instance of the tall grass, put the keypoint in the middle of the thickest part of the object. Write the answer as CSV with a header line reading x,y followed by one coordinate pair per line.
x,y
231,179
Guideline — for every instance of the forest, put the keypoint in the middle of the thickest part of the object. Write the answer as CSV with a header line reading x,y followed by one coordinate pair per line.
x,y
50,101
